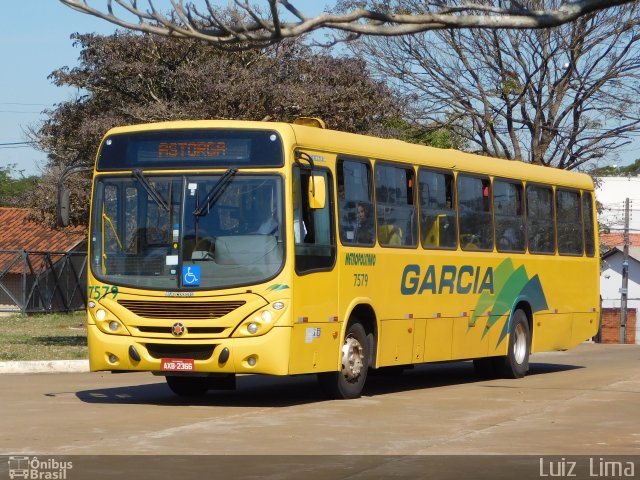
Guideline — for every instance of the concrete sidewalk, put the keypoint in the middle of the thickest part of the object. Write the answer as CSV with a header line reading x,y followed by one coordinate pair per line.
x,y
45,366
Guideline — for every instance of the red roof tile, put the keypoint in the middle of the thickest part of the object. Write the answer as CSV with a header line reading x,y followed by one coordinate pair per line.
x,y
617,239
19,233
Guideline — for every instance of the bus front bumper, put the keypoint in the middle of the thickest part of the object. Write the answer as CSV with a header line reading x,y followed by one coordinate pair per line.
x,y
266,354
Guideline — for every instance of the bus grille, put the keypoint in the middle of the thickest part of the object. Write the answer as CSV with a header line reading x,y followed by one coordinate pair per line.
x,y
180,310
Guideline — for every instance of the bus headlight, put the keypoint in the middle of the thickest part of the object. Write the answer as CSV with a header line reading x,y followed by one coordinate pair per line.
x,y
252,328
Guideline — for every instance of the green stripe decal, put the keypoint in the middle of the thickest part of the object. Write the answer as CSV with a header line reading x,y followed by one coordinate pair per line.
x,y
511,285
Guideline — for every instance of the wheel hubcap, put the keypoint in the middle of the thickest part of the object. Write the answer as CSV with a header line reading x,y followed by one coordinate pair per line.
x,y
520,344
352,359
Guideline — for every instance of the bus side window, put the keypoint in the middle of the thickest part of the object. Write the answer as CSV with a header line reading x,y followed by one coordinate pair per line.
x,y
395,206
508,205
540,219
438,225
474,209
355,204
587,221
569,222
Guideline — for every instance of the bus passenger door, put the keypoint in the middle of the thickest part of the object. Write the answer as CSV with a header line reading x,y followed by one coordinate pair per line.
x,y
314,344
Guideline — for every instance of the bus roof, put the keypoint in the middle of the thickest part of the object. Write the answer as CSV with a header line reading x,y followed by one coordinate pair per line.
x,y
334,141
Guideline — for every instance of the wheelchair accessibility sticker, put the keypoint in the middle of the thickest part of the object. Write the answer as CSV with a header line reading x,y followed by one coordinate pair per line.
x,y
191,276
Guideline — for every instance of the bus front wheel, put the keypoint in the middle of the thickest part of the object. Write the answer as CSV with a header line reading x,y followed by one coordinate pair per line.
x,y
516,363
354,359
188,386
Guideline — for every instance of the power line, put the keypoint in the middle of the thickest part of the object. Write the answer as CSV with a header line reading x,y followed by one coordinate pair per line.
x,y
14,146
28,104
18,111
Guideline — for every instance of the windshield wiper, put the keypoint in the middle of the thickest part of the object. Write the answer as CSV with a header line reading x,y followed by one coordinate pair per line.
x,y
153,193
215,192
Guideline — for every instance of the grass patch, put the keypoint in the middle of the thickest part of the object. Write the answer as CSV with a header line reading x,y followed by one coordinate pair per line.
x,y
57,336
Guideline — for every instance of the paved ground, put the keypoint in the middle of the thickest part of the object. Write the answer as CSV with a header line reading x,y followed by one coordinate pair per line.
x,y
584,401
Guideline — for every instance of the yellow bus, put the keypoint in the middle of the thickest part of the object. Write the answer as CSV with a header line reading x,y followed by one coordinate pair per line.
x,y
220,248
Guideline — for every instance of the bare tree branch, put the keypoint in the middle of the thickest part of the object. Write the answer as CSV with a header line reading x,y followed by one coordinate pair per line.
x,y
226,28
559,97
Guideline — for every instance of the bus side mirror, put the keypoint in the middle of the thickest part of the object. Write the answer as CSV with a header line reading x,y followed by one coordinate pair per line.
x,y
317,192
63,206
62,209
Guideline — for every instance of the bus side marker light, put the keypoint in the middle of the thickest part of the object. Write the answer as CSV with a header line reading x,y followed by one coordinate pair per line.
x,y
436,315
133,353
334,334
408,316
303,319
224,356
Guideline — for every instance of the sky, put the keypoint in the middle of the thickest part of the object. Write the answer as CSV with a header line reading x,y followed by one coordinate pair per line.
x,y
34,41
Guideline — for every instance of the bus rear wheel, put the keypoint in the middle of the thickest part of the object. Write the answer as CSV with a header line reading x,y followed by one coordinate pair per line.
x,y
516,363
188,386
349,381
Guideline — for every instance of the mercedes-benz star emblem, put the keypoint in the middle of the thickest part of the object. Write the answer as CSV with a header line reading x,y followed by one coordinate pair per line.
x,y
178,329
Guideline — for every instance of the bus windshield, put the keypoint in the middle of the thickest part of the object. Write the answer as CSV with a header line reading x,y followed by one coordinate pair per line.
x,y
187,231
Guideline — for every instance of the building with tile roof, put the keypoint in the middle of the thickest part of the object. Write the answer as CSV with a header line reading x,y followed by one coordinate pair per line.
x,y
41,269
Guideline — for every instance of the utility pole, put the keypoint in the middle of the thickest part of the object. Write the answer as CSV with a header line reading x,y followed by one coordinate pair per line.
x,y
625,276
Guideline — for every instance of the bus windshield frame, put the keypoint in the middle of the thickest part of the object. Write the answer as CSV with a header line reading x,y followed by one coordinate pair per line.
x,y
195,243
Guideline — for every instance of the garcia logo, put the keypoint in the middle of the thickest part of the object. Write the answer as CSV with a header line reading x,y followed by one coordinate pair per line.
x,y
450,279
33,468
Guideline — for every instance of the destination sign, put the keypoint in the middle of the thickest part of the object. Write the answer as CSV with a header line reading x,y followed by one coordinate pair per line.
x,y
195,148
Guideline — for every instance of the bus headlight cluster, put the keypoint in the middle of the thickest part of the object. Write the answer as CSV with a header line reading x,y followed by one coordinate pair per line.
x,y
107,321
261,321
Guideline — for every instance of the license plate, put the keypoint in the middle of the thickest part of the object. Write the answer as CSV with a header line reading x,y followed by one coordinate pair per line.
x,y
177,365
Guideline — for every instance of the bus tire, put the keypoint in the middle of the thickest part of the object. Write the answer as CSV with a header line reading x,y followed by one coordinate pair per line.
x,y
188,386
355,355
516,363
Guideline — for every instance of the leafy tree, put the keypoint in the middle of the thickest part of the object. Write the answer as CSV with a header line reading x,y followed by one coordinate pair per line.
x,y
613,171
558,97
129,79
13,191
245,24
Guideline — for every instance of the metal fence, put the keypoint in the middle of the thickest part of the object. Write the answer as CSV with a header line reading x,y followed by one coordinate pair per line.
x,y
43,282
